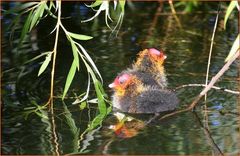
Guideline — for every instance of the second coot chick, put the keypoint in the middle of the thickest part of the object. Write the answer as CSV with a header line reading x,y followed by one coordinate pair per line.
x,y
132,96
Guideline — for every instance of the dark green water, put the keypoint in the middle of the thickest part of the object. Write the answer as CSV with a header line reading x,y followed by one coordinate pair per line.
x,y
187,50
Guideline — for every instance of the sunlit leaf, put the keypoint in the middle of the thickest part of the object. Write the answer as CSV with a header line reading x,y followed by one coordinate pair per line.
x,y
37,15
230,8
79,36
45,64
101,103
90,61
96,3
234,48
70,77
37,57
122,4
83,105
75,53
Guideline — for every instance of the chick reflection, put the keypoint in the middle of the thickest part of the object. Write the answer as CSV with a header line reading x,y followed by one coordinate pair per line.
x,y
126,127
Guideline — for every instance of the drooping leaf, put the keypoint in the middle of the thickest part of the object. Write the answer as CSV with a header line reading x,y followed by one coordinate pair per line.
x,y
230,8
70,77
101,103
25,27
122,4
89,59
37,15
79,36
234,48
96,3
75,53
37,57
45,64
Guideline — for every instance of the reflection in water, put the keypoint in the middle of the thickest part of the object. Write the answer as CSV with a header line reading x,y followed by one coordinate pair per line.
x,y
186,50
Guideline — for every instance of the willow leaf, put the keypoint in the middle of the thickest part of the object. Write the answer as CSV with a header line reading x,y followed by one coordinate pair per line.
x,y
70,77
234,48
96,3
122,4
45,64
89,59
228,12
25,27
75,53
37,57
37,15
79,36
101,103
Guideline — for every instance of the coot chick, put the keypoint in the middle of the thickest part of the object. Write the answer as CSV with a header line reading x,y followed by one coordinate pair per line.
x,y
132,96
151,61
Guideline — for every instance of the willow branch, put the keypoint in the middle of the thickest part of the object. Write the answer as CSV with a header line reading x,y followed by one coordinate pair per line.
x,y
213,87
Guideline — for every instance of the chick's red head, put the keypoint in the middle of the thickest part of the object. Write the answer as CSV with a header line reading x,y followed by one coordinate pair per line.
x,y
156,55
121,83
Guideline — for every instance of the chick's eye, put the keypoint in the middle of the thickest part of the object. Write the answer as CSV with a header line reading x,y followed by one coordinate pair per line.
x,y
121,81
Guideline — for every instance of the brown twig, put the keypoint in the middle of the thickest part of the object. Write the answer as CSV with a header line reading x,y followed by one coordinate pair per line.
x,y
203,85
207,88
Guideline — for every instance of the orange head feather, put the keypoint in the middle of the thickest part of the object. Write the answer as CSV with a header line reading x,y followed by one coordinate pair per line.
x,y
157,57
122,82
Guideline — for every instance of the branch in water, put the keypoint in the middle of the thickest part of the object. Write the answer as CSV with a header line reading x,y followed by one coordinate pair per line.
x,y
203,85
207,88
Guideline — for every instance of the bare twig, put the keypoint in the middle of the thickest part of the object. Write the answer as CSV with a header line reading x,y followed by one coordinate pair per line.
x,y
203,85
207,88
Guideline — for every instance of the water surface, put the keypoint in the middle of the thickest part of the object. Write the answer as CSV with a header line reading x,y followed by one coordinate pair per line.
x,y
187,50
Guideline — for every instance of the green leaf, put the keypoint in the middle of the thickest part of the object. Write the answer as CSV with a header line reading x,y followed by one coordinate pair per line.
x,y
70,77
101,103
234,48
89,59
79,36
96,3
37,15
75,53
37,57
122,4
25,27
45,64
230,8
83,105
